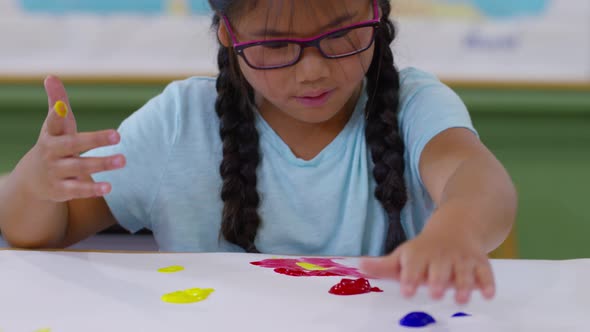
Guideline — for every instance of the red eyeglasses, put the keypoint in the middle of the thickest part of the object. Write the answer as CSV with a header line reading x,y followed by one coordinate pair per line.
x,y
334,44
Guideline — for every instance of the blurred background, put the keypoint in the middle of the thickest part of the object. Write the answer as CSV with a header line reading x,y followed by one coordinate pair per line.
x,y
522,67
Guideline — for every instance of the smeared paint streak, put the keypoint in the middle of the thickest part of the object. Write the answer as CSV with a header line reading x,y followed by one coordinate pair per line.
x,y
304,273
171,269
309,267
353,287
186,296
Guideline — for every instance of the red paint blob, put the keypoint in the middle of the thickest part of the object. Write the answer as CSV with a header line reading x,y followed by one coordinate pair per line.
x,y
353,287
288,266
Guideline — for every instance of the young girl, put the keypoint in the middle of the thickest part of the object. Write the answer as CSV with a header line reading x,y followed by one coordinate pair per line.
x,y
309,142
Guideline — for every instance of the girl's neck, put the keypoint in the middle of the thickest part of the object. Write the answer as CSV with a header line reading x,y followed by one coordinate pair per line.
x,y
307,140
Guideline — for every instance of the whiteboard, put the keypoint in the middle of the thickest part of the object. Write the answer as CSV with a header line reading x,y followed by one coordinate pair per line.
x,y
469,40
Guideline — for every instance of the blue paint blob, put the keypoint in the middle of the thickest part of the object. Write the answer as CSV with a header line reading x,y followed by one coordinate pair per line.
x,y
461,314
417,319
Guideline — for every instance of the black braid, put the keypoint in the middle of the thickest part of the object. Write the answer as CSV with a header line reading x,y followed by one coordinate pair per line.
x,y
382,131
241,154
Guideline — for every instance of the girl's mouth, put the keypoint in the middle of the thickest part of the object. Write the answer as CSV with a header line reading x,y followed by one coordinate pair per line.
x,y
315,100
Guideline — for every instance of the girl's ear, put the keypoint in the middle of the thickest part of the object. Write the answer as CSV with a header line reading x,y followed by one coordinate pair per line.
x,y
223,35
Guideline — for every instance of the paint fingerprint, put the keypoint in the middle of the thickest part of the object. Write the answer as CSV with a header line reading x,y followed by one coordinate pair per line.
x,y
417,319
171,269
186,296
353,287
309,267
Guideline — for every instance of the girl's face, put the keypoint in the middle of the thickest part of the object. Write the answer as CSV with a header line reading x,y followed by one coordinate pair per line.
x,y
316,89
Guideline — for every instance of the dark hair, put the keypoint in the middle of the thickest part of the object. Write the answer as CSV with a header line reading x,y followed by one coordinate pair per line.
x,y
241,154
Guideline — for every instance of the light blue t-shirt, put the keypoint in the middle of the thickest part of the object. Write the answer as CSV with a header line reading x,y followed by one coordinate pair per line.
x,y
324,206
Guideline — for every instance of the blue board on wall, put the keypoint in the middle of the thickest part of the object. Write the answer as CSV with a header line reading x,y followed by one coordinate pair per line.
x,y
511,8
491,8
149,7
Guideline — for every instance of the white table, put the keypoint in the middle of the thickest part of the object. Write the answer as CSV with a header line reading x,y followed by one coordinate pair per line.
x,y
90,291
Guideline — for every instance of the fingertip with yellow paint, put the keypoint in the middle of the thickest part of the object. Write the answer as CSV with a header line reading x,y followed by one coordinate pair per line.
x,y
61,108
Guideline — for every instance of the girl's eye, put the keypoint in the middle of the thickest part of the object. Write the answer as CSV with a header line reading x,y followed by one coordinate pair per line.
x,y
339,34
276,46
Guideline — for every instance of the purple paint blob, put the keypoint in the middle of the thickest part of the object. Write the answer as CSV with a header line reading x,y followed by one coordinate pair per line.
x,y
417,319
461,314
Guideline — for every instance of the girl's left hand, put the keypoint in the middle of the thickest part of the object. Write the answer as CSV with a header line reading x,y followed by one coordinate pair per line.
x,y
440,261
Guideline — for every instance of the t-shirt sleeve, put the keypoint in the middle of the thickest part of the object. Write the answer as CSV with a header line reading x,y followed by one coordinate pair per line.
x,y
147,138
428,107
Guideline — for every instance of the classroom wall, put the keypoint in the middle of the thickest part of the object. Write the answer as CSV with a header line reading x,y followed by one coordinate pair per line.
x,y
476,40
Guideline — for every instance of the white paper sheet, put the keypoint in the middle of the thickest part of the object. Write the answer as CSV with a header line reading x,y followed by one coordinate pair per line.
x,y
84,292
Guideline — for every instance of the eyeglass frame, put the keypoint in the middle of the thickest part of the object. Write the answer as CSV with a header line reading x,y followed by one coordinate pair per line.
x,y
304,43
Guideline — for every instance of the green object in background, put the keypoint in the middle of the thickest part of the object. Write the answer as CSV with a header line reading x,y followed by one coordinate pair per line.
x,y
96,107
543,139
541,136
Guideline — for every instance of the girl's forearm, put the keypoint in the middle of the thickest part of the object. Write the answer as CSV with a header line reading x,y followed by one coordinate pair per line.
x,y
480,201
27,222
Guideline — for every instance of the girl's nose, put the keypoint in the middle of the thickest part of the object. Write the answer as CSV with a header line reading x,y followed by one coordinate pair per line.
x,y
312,67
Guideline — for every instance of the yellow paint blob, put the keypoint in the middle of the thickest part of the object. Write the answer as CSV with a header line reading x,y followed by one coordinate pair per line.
x,y
171,269
61,108
43,330
311,267
191,295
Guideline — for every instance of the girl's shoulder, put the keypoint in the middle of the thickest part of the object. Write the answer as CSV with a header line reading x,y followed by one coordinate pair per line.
x,y
418,87
200,89
189,99
412,80
197,82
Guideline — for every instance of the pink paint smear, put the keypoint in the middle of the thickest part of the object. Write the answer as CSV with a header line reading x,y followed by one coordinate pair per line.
x,y
288,266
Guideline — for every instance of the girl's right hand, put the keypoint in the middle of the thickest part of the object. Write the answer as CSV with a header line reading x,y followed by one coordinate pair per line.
x,y
55,170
